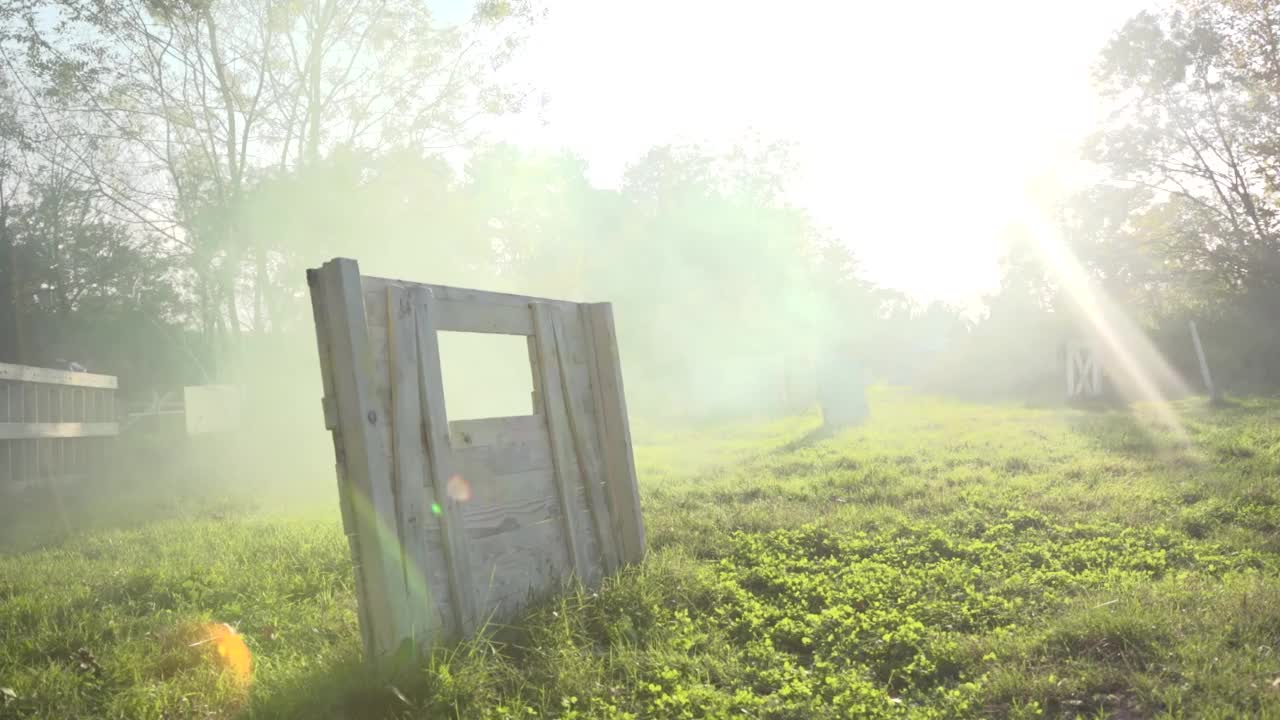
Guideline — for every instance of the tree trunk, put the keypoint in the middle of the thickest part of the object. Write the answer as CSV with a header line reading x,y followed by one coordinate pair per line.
x,y
233,311
230,359
259,278
10,292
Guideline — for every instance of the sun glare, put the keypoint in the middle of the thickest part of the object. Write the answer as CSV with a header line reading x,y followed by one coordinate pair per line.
x,y
1138,368
913,140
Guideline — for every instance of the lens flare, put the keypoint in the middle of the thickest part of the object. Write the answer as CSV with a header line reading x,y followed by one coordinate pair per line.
x,y
458,489
1125,349
232,653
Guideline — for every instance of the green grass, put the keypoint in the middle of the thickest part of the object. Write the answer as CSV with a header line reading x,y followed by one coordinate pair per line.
x,y
944,560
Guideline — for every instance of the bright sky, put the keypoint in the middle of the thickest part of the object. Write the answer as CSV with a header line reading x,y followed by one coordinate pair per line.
x,y
920,126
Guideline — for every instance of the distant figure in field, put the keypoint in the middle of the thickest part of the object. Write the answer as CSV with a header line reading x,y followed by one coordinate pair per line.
x,y
842,388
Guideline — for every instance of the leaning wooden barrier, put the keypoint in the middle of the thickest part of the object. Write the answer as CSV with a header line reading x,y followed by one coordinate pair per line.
x,y
54,424
455,524
1084,372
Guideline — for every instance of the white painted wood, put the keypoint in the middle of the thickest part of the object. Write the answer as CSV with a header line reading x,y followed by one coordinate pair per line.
x,y
442,465
49,430
362,460
1084,371
211,408
48,434
557,422
619,456
1204,364
50,376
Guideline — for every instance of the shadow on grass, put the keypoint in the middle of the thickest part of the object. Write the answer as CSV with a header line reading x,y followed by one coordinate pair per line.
x,y
51,515
1119,433
1229,408
345,687
450,680
812,437
817,435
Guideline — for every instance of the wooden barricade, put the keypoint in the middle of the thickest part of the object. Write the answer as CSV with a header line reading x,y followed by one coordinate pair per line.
x,y
1084,371
54,424
453,524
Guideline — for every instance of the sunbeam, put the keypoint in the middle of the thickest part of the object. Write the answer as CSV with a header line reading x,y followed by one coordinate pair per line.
x,y
1138,370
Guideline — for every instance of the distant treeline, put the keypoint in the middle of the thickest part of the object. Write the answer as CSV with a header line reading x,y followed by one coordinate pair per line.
x,y
1187,226
169,170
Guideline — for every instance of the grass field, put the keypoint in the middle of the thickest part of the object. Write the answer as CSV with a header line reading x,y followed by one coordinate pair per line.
x,y
945,560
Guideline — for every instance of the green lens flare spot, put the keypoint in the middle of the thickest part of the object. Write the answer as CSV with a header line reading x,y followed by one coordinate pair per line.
x,y
435,508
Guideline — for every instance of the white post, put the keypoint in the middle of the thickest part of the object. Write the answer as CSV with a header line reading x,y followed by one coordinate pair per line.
x,y
1204,364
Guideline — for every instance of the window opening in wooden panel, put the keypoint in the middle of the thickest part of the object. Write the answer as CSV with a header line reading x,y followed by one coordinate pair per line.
x,y
485,375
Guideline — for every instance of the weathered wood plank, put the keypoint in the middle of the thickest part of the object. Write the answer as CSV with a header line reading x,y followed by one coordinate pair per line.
x,y
380,342
561,451
515,567
1084,371
503,503
619,456
482,432
437,579
511,497
47,430
535,396
380,382
442,465
581,438
507,459
447,292
375,296
480,317
50,376
329,402
410,459
361,458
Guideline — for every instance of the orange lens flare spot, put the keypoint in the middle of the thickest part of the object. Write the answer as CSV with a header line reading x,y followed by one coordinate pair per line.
x,y
458,488
233,654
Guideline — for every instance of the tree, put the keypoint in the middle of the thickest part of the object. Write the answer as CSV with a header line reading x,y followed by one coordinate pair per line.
x,y
1188,222
1191,146
209,95
11,345
545,228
